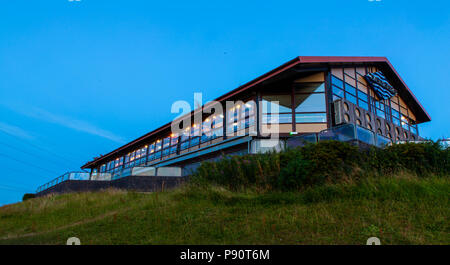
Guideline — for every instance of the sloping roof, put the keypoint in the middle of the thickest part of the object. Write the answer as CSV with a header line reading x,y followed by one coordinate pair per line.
x,y
420,112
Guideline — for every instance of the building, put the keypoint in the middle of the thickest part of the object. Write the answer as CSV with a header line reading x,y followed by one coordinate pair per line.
x,y
308,98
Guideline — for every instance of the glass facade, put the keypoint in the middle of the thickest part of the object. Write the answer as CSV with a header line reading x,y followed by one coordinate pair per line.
x,y
309,103
302,103
341,89
305,103
211,128
240,118
276,109
352,87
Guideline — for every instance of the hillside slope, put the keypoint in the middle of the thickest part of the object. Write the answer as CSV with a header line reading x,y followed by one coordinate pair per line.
x,y
398,210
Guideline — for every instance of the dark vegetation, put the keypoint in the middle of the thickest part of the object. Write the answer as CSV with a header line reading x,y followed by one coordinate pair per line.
x,y
28,196
325,162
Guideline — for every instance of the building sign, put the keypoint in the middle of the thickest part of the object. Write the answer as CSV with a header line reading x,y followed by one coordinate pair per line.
x,y
380,85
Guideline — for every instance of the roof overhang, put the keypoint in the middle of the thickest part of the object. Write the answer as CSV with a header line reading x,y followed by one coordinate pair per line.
x,y
297,64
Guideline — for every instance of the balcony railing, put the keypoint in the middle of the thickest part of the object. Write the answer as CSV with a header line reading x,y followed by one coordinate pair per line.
x,y
344,133
64,177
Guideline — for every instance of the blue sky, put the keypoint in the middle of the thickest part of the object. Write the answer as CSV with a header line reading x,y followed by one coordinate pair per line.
x,y
81,78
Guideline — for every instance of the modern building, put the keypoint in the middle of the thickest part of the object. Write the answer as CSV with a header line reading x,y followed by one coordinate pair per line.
x,y
309,98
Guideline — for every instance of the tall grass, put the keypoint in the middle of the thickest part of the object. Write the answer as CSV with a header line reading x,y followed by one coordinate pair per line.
x,y
399,209
399,194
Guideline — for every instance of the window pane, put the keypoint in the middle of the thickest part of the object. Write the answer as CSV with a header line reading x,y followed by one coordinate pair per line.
x,y
185,136
217,133
404,122
158,145
310,102
339,92
336,81
396,121
350,89
217,121
165,152
166,142
184,145
363,104
309,87
284,104
195,141
350,98
335,97
395,113
381,114
362,95
277,118
310,117
173,149
174,140
205,138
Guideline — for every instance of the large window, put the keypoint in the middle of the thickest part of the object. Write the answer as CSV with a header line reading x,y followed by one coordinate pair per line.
x,y
217,126
166,146
379,108
151,152
158,147
184,139
348,91
173,143
309,103
195,135
140,157
241,117
276,109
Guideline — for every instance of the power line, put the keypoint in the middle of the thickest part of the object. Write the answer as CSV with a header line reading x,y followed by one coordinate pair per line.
x,y
24,185
14,182
23,151
15,187
43,149
27,163
25,171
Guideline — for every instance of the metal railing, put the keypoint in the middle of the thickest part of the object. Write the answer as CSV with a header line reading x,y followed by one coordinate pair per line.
x,y
344,133
100,176
64,177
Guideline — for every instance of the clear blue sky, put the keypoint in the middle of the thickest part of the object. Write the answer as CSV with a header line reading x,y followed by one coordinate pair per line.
x,y
81,78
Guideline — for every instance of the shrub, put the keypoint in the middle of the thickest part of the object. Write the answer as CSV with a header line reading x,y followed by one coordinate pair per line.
x,y
316,164
417,158
320,163
28,196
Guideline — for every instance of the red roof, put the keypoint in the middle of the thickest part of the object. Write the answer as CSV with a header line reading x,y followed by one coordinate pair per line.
x,y
422,115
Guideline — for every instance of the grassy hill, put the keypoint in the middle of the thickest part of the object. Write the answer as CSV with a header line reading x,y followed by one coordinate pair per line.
x,y
402,209
325,193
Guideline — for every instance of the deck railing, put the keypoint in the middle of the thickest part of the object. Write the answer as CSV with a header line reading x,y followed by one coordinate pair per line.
x,y
64,177
344,133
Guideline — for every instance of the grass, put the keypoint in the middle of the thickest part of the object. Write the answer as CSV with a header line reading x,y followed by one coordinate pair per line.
x,y
399,210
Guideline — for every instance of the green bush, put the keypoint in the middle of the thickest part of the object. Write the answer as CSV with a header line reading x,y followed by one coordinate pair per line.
x,y
417,158
316,164
28,196
320,163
